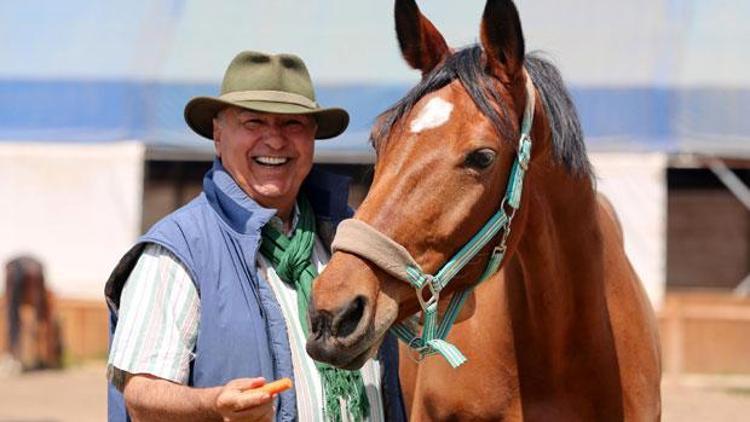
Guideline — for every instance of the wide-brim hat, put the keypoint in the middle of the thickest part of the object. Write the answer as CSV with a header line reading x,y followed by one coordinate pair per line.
x,y
266,83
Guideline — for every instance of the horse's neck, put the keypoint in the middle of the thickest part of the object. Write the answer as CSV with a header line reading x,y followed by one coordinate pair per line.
x,y
555,284
560,247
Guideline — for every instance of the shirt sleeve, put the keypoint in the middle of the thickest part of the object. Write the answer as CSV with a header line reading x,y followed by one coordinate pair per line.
x,y
157,321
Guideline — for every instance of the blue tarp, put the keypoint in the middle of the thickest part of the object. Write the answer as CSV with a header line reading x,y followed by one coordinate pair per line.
x,y
655,75
650,119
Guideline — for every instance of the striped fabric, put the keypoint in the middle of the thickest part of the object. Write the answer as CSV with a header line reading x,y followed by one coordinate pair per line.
x,y
158,320
158,325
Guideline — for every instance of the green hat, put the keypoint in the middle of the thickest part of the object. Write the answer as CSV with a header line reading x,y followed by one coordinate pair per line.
x,y
266,83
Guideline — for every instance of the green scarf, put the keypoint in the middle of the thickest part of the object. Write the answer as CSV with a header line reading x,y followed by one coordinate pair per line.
x,y
291,260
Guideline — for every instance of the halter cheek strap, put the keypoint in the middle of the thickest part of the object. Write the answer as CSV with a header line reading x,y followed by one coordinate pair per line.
x,y
361,239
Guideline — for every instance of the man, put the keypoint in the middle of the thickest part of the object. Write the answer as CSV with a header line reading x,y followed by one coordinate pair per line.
x,y
212,302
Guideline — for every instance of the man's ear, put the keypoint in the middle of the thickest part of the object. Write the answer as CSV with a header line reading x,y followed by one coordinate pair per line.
x,y
217,127
315,125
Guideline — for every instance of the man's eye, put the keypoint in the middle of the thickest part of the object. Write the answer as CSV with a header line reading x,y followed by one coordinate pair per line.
x,y
294,125
480,159
252,122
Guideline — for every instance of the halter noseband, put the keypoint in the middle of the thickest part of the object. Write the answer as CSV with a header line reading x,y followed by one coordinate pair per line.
x,y
361,239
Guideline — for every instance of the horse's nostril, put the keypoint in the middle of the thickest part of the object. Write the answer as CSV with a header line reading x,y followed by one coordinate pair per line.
x,y
348,319
320,324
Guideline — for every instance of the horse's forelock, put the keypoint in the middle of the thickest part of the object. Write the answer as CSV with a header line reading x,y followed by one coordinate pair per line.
x,y
467,65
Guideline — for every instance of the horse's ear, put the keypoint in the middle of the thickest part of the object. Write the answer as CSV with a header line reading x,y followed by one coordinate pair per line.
x,y
422,45
502,39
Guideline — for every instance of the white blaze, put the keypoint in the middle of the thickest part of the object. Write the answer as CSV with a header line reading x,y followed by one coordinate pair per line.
x,y
434,114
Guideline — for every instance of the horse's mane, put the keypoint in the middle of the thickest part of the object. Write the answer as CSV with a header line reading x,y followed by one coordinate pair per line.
x,y
567,134
467,66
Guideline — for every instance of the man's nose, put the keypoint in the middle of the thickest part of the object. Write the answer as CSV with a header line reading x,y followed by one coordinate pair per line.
x,y
274,137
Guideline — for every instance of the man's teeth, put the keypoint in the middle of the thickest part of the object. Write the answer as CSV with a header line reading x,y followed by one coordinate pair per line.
x,y
272,161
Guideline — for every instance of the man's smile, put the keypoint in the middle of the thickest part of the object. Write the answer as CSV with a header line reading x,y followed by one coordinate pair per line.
x,y
271,161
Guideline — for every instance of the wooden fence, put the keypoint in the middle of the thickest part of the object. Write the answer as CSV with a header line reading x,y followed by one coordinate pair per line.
x,y
705,333
84,325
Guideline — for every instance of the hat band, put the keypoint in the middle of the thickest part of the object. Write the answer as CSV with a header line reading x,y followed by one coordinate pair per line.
x,y
270,96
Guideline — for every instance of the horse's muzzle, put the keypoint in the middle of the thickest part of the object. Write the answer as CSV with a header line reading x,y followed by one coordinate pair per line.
x,y
340,337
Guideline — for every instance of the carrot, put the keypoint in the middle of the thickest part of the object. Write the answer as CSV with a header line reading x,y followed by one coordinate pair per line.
x,y
275,387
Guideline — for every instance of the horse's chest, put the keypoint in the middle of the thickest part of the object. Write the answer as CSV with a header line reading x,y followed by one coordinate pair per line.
x,y
484,388
467,404
481,391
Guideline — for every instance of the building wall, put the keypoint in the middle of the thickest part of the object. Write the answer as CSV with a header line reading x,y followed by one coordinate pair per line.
x,y
708,233
168,185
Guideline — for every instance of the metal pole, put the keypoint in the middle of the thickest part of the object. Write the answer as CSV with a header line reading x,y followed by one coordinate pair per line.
x,y
742,193
730,180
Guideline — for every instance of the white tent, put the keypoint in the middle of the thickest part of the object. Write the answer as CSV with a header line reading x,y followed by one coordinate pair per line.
x,y
651,78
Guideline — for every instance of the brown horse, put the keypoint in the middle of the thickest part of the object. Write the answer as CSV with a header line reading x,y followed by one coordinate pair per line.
x,y
33,334
564,330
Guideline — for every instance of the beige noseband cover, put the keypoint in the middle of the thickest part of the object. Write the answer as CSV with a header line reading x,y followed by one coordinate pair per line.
x,y
361,239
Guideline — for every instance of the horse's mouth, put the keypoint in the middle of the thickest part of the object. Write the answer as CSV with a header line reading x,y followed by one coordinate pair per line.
x,y
359,360
329,352
349,354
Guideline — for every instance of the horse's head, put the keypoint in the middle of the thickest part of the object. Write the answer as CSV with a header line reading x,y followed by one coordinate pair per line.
x,y
444,155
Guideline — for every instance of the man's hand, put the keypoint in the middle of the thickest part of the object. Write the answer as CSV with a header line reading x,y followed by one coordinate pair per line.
x,y
237,402
149,398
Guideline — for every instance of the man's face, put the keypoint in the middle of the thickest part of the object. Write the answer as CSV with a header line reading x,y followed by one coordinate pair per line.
x,y
268,155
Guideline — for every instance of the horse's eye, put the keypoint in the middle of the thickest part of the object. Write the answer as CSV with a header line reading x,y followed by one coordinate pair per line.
x,y
480,159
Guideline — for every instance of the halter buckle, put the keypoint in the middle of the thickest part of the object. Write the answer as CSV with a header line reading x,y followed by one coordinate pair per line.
x,y
524,144
499,249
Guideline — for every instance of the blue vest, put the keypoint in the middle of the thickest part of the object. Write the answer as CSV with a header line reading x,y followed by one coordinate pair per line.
x,y
242,332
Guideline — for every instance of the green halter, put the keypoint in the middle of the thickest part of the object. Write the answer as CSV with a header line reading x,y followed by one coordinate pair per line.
x,y
394,259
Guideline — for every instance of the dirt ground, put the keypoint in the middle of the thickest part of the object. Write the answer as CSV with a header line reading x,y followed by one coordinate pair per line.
x,y
79,395
76,394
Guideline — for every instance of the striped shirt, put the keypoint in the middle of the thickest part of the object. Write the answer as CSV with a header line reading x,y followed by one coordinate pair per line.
x,y
158,326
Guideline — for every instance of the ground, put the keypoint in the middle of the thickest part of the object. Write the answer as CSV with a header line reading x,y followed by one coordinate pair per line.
x,y
79,394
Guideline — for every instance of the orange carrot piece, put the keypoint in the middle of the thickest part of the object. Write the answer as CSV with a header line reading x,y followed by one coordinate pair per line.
x,y
275,387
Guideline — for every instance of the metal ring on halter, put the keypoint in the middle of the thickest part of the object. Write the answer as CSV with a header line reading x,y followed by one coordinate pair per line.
x,y
417,350
510,217
434,293
504,206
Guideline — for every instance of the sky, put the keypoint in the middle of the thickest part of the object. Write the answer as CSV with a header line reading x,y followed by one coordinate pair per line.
x,y
594,42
